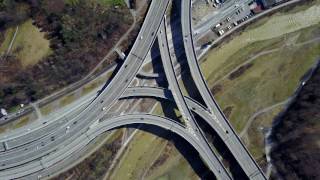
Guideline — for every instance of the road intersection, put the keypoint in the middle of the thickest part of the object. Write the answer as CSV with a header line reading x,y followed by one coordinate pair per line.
x,y
37,153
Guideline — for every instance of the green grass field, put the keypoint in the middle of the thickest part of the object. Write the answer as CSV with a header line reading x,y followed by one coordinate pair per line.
x,y
68,99
270,30
274,76
29,46
47,109
22,121
271,79
175,167
6,42
142,151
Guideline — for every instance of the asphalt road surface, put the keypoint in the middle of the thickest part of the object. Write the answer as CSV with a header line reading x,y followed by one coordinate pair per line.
x,y
38,153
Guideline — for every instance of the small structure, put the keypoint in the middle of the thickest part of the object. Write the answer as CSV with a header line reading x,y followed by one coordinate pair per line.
x,y
3,112
121,54
253,5
255,8
269,3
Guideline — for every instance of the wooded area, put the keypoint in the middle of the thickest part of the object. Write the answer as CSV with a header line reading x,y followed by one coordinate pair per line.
x,y
81,33
296,153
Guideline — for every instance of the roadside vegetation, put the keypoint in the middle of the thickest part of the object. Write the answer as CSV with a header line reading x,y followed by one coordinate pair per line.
x,y
254,138
262,67
18,123
94,166
138,154
57,43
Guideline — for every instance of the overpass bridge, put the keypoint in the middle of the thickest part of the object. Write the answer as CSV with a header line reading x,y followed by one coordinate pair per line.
x,y
41,152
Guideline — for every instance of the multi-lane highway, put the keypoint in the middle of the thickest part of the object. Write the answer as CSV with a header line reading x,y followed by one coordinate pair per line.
x,y
118,122
40,152
191,126
42,142
238,149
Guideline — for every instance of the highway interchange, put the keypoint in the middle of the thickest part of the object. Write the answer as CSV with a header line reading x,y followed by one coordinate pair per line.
x,y
42,151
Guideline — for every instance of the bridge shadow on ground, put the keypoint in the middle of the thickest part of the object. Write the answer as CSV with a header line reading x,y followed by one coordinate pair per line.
x,y
157,65
189,153
167,107
186,150
177,38
118,63
222,149
212,136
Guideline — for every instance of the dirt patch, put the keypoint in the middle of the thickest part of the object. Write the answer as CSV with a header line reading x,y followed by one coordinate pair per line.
x,y
216,89
163,157
208,38
242,69
201,9
227,111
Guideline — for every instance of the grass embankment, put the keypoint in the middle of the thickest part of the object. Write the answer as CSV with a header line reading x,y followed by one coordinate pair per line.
x,y
170,164
29,45
74,96
256,143
245,83
95,165
141,152
22,121
269,79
